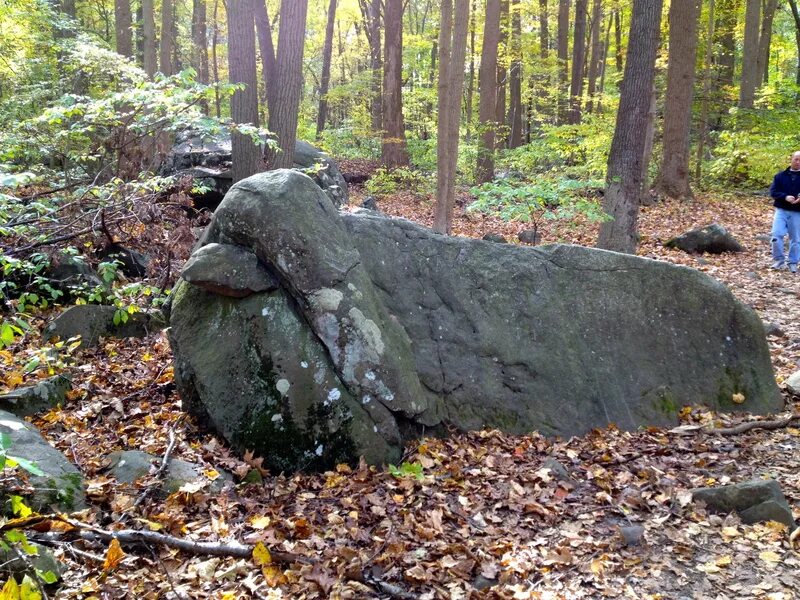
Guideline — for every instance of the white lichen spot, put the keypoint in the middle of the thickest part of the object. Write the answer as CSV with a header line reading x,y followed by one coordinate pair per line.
x,y
304,364
277,418
265,312
334,395
327,299
369,332
366,399
283,386
370,375
318,451
319,376
375,428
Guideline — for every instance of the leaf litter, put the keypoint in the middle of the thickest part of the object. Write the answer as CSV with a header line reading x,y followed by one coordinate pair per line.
x,y
604,515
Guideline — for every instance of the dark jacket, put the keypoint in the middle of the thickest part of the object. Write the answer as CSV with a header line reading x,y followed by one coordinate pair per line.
x,y
786,183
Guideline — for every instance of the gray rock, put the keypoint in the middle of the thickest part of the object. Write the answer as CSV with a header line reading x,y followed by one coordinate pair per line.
x,y
756,500
558,470
43,395
382,328
132,263
495,237
530,236
61,488
93,321
129,465
631,535
764,237
793,383
323,170
69,272
370,203
228,270
773,329
713,239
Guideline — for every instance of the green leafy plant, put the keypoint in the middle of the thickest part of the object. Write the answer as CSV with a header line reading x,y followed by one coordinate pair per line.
x,y
407,469
390,181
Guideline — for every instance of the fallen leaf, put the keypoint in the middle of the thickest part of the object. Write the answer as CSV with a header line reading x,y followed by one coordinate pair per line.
x,y
114,556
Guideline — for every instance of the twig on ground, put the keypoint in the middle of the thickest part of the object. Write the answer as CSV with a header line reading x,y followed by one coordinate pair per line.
x,y
750,425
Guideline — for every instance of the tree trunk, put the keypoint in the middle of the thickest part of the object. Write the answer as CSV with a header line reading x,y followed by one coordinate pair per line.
x,y
452,50
327,55
726,30
200,44
604,65
796,15
484,170
563,58
544,30
624,173
471,76
123,21
394,152
596,51
673,177
618,54
515,81
502,71
578,63
245,154
765,40
701,136
747,86
371,11
265,47
215,61
647,151
288,81
149,38
167,41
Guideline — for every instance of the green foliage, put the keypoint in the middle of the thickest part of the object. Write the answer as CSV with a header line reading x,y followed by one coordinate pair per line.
x,y
407,469
9,461
390,181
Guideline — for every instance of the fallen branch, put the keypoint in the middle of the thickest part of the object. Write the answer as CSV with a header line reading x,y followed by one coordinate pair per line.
x,y
750,425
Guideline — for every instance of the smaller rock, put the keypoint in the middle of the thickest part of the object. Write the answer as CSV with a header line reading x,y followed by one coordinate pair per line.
x,y
62,486
631,535
133,263
370,203
93,321
228,270
764,237
44,395
496,238
756,500
129,465
752,275
481,583
713,239
530,236
793,383
69,272
773,329
558,470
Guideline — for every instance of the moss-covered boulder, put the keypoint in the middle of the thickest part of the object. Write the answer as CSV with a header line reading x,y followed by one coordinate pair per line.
x,y
380,329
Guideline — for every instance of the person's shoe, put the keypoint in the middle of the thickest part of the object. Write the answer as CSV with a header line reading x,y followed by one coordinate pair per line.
x,y
778,264
793,268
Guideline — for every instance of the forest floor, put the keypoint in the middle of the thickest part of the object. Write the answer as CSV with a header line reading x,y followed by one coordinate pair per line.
x,y
487,519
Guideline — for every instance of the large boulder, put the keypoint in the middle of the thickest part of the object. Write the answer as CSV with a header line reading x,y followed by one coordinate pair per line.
x,y
381,329
208,162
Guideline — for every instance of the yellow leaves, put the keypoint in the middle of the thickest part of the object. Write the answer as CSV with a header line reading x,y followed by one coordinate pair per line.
x,y
272,573
730,533
738,398
261,555
770,557
260,522
599,564
114,556
13,591
10,590
13,379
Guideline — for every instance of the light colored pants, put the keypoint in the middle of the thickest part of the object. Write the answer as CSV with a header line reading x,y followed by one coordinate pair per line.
x,y
786,222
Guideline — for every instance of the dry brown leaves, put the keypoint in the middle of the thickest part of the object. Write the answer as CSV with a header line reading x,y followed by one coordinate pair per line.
x,y
488,518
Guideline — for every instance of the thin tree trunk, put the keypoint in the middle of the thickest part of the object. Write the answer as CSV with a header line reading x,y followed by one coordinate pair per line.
x,y
265,47
123,21
288,81
502,71
647,152
701,136
563,58
167,41
604,66
245,154
624,173
765,40
673,177
215,60
452,51
149,38
371,11
327,55
578,62
471,76
747,86
618,54
394,152
796,16
726,33
484,170
594,61
200,44
515,81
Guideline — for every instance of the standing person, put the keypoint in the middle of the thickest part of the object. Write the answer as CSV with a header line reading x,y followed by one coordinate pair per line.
x,y
785,191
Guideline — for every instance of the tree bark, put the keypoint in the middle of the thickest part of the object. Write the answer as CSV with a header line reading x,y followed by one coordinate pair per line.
x,y
167,41
123,21
246,156
288,81
544,30
265,47
578,63
393,153
515,80
325,81
471,75
371,11
673,177
594,61
502,71
200,44
563,58
214,59
796,16
484,170
747,86
618,50
452,50
765,40
701,136
624,173
726,39
149,38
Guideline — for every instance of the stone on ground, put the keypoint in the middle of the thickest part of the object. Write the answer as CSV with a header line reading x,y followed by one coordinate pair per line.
x,y
714,239
93,321
41,396
754,501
